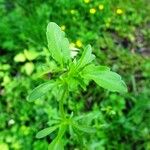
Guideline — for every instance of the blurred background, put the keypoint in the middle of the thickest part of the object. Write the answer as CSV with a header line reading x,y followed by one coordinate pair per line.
x,y
119,32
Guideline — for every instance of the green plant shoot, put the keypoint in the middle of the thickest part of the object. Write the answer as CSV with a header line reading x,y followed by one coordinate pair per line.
x,y
74,73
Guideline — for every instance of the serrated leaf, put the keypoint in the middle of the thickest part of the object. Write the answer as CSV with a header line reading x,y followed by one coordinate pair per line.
x,y
58,44
40,90
86,57
46,131
105,78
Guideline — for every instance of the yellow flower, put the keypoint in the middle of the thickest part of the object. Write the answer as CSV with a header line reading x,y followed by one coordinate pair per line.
x,y
92,11
63,27
101,7
119,11
86,1
79,43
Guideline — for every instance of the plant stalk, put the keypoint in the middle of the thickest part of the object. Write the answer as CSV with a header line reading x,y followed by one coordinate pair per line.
x,y
61,104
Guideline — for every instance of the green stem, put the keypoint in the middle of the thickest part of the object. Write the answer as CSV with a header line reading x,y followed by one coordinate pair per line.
x,y
61,103
134,84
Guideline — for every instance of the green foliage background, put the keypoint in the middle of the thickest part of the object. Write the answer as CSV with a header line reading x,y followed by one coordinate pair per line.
x,y
119,40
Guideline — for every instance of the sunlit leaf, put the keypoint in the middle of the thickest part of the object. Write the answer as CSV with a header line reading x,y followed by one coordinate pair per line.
x,y
6,80
20,58
57,43
30,54
105,78
4,146
29,67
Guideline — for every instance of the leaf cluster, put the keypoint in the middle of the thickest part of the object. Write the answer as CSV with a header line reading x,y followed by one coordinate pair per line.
x,y
75,73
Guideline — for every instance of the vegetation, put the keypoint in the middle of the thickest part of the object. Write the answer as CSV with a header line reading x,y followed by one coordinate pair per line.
x,y
92,118
74,73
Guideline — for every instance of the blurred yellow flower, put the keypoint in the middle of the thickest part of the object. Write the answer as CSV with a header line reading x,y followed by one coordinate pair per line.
x,y
86,1
119,11
101,7
79,43
63,27
92,11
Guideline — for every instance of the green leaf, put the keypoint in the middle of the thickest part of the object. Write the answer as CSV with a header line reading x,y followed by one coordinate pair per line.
x,y
111,81
40,90
86,57
46,131
94,69
57,143
83,128
20,58
88,117
105,78
29,67
30,54
57,43
72,84
4,146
